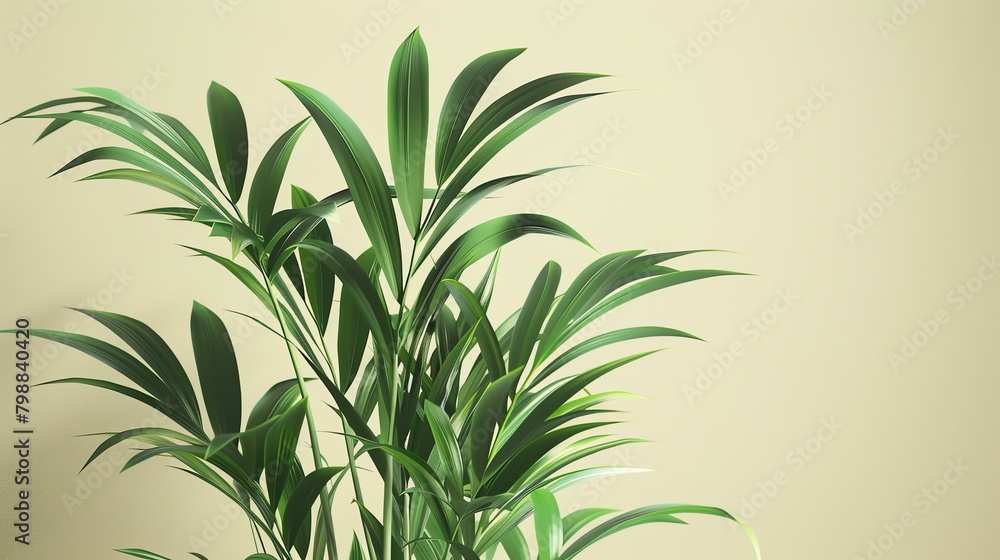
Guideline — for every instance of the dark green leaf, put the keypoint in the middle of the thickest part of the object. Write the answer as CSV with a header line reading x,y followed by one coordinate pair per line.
x,y
463,96
280,445
217,370
151,348
268,177
533,314
364,177
319,280
408,120
302,499
232,146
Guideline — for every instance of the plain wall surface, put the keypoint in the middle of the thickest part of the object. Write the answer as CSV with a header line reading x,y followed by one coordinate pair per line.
x,y
844,151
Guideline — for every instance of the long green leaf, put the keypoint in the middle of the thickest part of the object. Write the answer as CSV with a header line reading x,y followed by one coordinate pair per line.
x,y
496,143
268,177
155,352
242,274
145,143
446,443
354,278
364,177
516,545
169,133
139,553
574,522
150,172
604,339
408,121
548,524
533,314
56,103
463,96
319,280
640,516
217,370
280,445
446,218
511,104
486,337
133,433
118,359
229,129
302,499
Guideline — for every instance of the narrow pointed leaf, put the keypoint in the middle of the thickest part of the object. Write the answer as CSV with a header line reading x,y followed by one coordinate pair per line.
x,y
408,121
513,103
319,280
145,143
355,279
181,143
548,524
516,545
446,443
364,177
463,96
533,314
155,352
140,553
486,337
303,498
217,370
280,445
229,129
268,177
496,143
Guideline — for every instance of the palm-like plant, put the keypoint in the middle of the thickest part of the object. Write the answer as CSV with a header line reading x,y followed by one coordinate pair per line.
x,y
472,425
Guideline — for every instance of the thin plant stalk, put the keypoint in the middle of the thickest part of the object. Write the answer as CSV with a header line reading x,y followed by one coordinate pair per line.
x,y
313,437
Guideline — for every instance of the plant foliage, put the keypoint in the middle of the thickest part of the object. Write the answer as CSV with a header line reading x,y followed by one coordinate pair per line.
x,y
472,424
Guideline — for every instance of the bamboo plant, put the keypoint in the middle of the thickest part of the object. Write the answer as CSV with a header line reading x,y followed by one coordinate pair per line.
x,y
473,424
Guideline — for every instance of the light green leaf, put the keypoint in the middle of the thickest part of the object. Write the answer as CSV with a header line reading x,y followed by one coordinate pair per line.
x,y
548,524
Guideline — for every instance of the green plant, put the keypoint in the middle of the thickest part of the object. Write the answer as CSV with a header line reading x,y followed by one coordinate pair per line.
x,y
471,424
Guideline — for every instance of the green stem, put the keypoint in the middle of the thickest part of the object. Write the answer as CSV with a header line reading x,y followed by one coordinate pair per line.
x,y
388,497
406,526
349,443
313,437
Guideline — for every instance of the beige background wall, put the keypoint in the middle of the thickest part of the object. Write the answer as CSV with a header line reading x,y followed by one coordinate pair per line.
x,y
873,115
